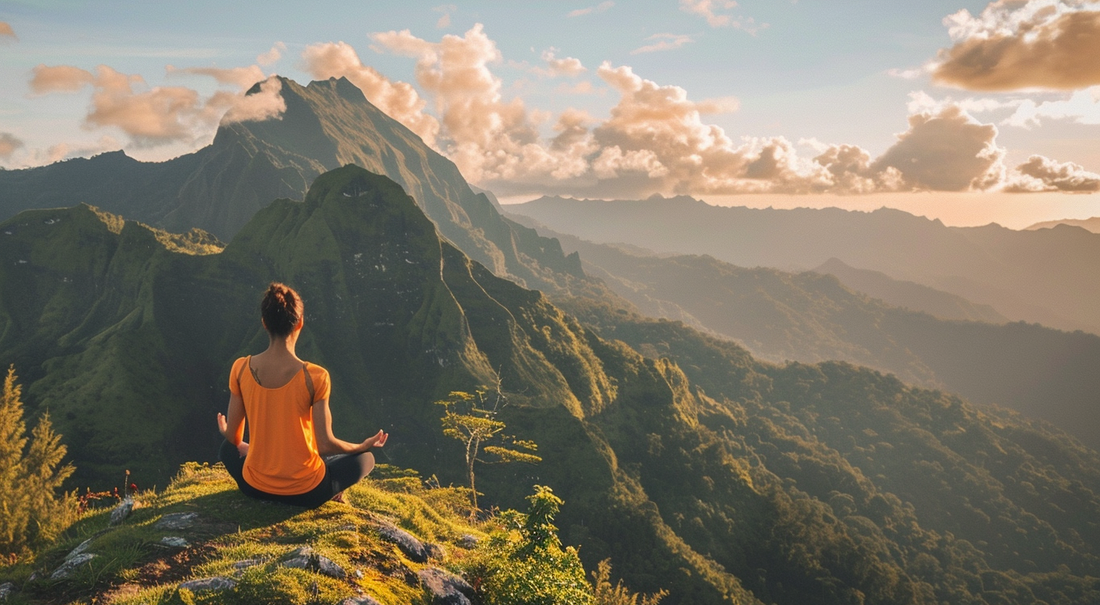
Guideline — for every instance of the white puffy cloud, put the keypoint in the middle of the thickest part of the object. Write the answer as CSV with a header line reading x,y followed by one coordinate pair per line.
x,y
159,115
663,42
272,56
1081,106
399,100
599,8
6,31
947,150
9,143
1040,173
241,77
486,135
555,67
707,8
1023,44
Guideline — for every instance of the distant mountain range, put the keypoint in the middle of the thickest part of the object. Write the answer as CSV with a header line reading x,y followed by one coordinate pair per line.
x,y
1046,276
811,317
1089,224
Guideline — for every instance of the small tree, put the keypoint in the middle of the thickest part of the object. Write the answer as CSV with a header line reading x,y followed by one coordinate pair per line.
x,y
468,419
30,510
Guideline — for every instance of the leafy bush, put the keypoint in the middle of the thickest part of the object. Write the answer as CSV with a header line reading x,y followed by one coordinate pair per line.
x,y
524,563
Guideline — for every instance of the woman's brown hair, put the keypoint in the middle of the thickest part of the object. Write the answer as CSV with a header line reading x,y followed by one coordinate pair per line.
x,y
281,309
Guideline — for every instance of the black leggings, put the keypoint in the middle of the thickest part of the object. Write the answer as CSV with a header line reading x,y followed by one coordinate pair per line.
x,y
341,472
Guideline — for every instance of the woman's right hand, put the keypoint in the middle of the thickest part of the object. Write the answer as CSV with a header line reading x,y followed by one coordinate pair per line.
x,y
376,441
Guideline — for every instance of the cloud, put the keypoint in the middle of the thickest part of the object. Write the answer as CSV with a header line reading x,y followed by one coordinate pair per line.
x,y
272,56
445,20
6,31
9,143
399,100
66,151
162,114
1039,173
706,9
663,42
599,8
656,139
484,133
1022,44
946,151
59,78
555,67
263,101
1082,107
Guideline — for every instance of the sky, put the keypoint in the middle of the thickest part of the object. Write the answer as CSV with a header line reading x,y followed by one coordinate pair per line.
x,y
969,112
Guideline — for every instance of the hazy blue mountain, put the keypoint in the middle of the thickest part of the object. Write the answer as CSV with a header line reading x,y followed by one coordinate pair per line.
x,y
327,124
694,466
1046,276
908,294
1088,224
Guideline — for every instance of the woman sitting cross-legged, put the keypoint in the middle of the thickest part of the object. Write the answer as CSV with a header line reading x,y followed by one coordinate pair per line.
x,y
284,401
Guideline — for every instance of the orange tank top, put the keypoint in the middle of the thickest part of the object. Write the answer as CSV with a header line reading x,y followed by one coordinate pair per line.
x,y
282,452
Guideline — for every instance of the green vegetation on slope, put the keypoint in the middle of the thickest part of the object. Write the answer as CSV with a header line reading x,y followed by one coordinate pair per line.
x,y
809,317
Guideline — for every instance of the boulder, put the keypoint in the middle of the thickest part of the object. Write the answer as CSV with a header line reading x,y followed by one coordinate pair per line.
x,y
412,547
446,588
174,541
176,521
123,510
70,566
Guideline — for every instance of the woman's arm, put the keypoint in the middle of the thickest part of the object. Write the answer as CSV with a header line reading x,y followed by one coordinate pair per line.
x,y
328,444
232,427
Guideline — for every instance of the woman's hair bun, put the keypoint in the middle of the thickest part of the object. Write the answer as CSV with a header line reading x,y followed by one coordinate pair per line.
x,y
281,309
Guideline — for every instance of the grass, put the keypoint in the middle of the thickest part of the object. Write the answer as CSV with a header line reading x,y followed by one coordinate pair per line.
x,y
132,567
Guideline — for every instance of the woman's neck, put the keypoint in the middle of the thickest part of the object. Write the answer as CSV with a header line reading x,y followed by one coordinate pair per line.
x,y
282,347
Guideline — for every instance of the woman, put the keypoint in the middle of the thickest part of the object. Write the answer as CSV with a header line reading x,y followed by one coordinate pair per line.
x,y
285,402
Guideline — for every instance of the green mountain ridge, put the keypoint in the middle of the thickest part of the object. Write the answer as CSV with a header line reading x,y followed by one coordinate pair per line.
x,y
693,466
810,317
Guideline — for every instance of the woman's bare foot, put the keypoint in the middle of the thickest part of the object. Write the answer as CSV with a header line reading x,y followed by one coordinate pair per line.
x,y
339,497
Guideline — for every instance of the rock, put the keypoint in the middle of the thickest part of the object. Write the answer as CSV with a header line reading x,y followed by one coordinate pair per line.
x,y
413,548
79,549
5,590
69,567
435,551
242,565
468,541
446,588
176,521
174,541
329,567
305,558
217,583
122,511
363,600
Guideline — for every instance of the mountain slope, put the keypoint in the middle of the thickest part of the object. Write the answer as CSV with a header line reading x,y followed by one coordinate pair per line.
x,y
908,294
695,467
808,317
327,124
1044,276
